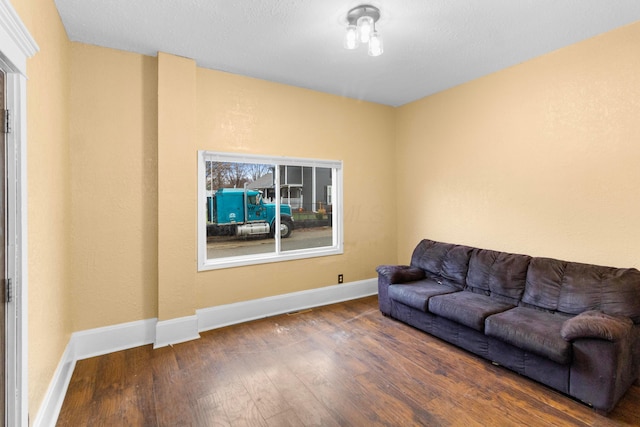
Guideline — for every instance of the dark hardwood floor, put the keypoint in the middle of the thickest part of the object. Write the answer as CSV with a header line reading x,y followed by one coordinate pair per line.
x,y
339,365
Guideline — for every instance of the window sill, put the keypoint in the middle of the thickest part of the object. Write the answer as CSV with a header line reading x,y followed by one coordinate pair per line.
x,y
243,261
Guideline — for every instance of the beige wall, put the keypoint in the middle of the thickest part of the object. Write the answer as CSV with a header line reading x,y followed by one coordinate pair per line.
x,y
176,186
136,126
113,141
48,195
244,115
541,158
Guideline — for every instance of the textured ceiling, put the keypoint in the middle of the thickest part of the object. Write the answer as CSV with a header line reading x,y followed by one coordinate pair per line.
x,y
430,45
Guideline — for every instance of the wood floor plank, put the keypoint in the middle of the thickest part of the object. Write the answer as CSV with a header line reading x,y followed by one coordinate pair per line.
x,y
339,394
107,393
423,387
80,394
262,390
238,405
344,364
169,390
139,383
209,412
392,406
308,409
284,419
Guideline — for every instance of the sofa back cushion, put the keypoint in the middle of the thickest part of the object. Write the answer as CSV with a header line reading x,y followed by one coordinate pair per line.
x,y
571,288
442,261
544,280
498,273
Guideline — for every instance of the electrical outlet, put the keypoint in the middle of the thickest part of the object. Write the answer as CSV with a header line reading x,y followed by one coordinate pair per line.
x,y
340,278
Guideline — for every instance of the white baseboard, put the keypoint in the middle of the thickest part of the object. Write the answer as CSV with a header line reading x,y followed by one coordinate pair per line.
x,y
99,341
174,331
53,399
230,314
86,344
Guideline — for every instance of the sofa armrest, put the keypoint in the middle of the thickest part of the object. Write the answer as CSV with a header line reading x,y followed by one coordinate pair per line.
x,y
400,273
390,274
604,365
596,324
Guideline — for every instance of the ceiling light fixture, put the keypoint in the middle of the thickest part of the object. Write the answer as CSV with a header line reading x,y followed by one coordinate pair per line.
x,y
361,28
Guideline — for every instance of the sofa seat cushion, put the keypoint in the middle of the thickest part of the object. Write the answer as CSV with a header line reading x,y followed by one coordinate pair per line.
x,y
416,294
467,308
531,330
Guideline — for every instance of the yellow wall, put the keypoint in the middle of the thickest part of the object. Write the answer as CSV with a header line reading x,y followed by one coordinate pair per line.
x,y
244,115
176,186
48,195
541,158
113,137
136,126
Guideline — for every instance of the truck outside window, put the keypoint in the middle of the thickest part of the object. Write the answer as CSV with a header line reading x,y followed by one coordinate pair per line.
x,y
257,209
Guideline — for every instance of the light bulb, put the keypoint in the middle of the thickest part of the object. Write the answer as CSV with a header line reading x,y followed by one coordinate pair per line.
x,y
365,26
351,37
375,44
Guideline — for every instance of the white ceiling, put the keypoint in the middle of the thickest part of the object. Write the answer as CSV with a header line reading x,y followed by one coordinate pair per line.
x,y
430,45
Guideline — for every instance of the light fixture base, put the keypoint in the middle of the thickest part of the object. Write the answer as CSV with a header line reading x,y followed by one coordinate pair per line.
x,y
363,10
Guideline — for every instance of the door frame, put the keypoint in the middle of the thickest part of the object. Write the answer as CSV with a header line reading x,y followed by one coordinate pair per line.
x,y
16,46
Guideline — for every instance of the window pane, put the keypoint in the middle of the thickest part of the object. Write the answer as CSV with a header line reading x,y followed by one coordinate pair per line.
x,y
239,219
244,198
308,192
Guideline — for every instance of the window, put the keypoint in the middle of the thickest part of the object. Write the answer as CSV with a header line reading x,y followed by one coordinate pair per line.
x,y
243,199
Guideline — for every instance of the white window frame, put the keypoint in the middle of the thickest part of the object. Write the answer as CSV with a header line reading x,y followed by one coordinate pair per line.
x,y
278,255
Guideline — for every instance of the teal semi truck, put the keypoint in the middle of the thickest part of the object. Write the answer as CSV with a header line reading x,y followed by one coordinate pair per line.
x,y
243,212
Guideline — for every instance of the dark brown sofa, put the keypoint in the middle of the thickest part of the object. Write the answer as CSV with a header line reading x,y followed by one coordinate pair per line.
x,y
574,327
